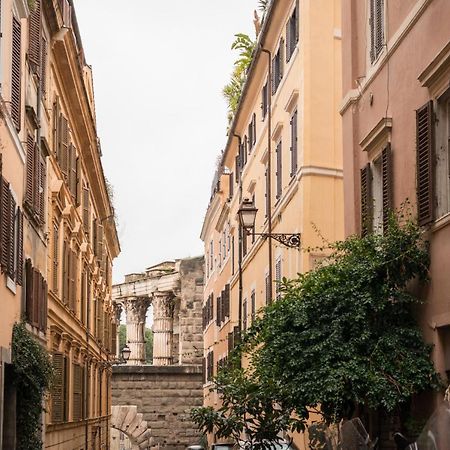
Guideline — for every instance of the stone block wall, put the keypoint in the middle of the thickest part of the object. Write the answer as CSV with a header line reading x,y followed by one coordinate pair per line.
x,y
164,395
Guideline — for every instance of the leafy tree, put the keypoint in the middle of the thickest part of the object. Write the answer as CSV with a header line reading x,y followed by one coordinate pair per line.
x,y
342,339
233,90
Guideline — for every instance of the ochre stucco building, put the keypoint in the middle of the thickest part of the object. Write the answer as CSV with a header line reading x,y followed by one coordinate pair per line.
x,y
60,237
284,153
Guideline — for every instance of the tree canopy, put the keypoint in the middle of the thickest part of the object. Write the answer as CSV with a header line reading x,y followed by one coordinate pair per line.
x,y
342,338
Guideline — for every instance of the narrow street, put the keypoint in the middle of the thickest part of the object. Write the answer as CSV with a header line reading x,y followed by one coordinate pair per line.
x,y
225,225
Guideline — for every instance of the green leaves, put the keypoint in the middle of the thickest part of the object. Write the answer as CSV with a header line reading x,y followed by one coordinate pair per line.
x,y
342,339
33,375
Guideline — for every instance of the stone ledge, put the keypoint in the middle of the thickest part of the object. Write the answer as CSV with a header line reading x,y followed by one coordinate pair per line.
x,y
176,370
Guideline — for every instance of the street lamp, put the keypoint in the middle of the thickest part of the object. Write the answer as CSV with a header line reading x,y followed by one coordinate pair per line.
x,y
126,352
247,215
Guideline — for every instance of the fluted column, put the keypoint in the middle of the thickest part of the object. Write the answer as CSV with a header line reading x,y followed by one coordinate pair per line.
x,y
136,310
117,314
163,306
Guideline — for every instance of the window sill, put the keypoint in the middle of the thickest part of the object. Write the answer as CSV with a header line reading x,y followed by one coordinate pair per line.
x,y
440,223
11,285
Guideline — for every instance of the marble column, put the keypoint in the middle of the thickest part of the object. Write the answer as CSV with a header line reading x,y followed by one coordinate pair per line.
x,y
117,313
163,307
136,310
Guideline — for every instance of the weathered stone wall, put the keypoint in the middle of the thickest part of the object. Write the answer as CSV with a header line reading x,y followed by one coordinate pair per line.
x,y
190,315
164,395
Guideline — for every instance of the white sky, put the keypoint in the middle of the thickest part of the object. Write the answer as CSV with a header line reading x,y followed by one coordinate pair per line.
x,y
159,68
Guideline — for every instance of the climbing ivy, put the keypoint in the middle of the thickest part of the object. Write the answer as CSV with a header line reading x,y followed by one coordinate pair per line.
x,y
33,373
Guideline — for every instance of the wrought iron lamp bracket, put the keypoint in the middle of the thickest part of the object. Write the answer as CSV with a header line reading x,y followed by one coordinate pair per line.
x,y
291,240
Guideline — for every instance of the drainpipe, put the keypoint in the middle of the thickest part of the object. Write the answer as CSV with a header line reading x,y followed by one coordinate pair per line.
x,y
87,368
269,167
240,238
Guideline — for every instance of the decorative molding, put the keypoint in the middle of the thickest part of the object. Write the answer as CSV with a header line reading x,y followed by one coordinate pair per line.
x,y
292,101
222,217
380,133
277,131
436,74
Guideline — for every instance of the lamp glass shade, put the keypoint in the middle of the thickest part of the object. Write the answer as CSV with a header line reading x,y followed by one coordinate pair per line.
x,y
126,352
247,214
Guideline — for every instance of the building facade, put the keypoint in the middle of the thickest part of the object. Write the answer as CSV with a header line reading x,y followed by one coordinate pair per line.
x,y
396,126
284,154
60,237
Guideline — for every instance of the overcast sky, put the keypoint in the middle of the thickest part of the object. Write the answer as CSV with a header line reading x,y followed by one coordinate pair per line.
x,y
159,68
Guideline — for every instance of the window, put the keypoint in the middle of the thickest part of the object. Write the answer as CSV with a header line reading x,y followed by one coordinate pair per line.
x,y
442,157
11,234
267,285
294,157
211,256
244,314
376,193
279,172
277,68
264,101
266,192
291,34
16,69
55,262
34,38
35,297
253,305
252,133
77,393
60,388
35,182
376,26
278,278
220,254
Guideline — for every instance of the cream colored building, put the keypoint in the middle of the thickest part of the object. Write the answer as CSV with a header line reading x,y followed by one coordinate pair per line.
x,y
284,153
61,211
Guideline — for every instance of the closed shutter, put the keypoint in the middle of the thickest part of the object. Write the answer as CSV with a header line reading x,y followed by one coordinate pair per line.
x,y
41,192
230,343
72,280
278,279
100,242
19,251
279,171
386,174
16,69
379,25
44,56
34,34
204,370
274,74
43,307
72,170
30,172
218,310
267,286
425,163
366,200
56,128
37,289
288,39
281,60
253,305
11,238
244,314
114,338
5,221
297,20
227,300
86,223
63,153
57,412
78,181
28,291
55,258
65,273
294,137
77,391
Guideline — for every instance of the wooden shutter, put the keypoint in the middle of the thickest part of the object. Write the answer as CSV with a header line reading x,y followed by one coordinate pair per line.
x,y
278,279
63,154
19,251
114,338
425,163
379,26
72,170
16,69
44,55
11,238
5,219
244,314
100,242
30,165
55,262
65,273
274,74
66,389
28,290
386,175
288,39
253,305
218,310
294,137
279,170
72,279
41,192
281,60
37,289
56,128
86,212
297,20
34,35
267,283
43,310
77,391
58,388
366,200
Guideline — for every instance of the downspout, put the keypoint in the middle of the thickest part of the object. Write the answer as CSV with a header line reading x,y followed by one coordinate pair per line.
x,y
86,372
269,167
240,239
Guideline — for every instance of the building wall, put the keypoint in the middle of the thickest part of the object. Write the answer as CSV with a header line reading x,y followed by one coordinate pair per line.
x,y
164,396
311,196
380,100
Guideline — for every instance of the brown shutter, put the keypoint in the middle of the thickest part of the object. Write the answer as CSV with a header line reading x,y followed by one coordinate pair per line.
x,y
294,157
73,285
34,35
28,290
63,156
11,238
16,69
44,311
86,210
279,170
58,388
281,59
44,67
288,39
19,252
30,165
55,258
37,288
366,200
379,24
41,192
100,242
65,273
297,20
5,219
267,283
72,169
77,391
425,163
386,169
56,128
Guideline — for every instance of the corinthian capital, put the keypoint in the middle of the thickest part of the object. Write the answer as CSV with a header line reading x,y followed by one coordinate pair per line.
x,y
163,304
136,308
